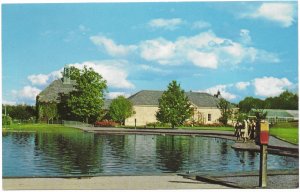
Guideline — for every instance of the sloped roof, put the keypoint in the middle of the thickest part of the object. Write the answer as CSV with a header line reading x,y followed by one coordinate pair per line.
x,y
51,93
148,97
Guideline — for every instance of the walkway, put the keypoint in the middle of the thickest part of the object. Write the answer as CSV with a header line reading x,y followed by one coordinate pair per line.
x,y
107,183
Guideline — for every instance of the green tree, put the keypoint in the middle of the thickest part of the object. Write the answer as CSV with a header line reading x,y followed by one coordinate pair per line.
x,y
226,110
120,109
49,111
19,112
250,103
88,98
174,106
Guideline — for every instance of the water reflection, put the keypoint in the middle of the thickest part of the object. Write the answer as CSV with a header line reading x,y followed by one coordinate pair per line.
x,y
48,154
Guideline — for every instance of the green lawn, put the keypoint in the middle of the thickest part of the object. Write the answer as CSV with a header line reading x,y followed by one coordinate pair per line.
x,y
48,128
287,131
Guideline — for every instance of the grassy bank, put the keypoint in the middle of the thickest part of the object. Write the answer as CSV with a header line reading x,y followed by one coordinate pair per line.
x,y
46,128
287,131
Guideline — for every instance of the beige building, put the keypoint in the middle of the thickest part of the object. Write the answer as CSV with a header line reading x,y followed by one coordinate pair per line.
x,y
145,104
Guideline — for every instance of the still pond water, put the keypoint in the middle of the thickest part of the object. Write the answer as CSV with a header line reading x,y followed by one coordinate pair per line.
x,y
48,154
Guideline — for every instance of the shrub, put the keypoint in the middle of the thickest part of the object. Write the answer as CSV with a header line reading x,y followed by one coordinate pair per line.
x,y
105,123
6,120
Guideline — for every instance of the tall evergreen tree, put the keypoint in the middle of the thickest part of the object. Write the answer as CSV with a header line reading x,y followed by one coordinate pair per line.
x,y
174,106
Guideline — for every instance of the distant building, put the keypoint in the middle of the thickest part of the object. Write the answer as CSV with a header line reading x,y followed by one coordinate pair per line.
x,y
145,105
50,98
279,115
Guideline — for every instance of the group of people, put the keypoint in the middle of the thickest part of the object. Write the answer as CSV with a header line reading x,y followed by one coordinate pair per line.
x,y
245,130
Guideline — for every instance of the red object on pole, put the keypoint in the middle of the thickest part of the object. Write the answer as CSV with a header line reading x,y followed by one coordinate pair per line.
x,y
264,137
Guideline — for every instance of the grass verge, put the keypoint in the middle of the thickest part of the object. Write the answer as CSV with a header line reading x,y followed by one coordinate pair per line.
x,y
287,131
46,128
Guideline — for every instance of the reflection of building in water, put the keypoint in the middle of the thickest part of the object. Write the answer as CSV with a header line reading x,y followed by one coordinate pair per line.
x,y
142,146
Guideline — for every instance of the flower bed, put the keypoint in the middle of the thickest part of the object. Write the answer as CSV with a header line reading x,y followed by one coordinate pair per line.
x,y
105,123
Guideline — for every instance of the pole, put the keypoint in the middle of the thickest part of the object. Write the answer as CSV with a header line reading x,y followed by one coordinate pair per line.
x,y
134,123
263,166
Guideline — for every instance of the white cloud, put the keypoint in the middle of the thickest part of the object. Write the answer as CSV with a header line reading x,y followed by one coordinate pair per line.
x,y
281,13
223,90
111,70
202,59
169,24
242,85
113,95
159,50
27,93
205,50
270,86
201,25
111,47
43,79
39,79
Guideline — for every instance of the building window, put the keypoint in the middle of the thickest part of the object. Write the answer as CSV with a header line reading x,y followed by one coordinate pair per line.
x,y
209,117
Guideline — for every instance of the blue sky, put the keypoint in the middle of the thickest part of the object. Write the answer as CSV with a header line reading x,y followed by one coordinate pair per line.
x,y
240,48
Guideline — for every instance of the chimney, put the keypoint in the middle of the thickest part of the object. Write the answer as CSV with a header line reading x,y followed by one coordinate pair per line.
x,y
66,75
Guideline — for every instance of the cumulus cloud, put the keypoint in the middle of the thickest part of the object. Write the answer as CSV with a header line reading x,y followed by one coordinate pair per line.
x,y
159,50
111,47
40,79
281,13
113,95
168,24
43,79
111,70
223,90
205,50
270,86
202,59
242,85
27,93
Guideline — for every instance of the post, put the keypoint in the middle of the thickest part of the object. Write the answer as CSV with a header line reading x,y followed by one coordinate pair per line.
x,y
134,123
264,140
263,166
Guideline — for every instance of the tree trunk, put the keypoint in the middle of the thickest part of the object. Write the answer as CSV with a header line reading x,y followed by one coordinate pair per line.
x,y
87,120
173,126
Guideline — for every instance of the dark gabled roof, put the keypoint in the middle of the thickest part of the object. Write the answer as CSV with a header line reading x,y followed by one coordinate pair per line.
x,y
146,97
52,92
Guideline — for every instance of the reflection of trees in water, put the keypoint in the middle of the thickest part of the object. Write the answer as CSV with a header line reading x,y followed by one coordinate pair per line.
x,y
117,144
70,151
172,150
20,139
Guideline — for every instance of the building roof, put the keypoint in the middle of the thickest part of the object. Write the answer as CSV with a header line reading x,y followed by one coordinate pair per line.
x,y
51,93
147,97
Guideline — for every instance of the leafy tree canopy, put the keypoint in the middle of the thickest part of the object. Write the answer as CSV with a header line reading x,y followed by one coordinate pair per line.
x,y
174,106
120,109
19,112
88,98
286,100
226,110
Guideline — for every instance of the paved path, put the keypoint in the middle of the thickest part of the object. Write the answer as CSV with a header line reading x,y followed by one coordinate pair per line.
x,y
107,182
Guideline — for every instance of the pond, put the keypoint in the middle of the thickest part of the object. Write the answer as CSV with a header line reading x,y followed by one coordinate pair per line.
x,y
74,154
